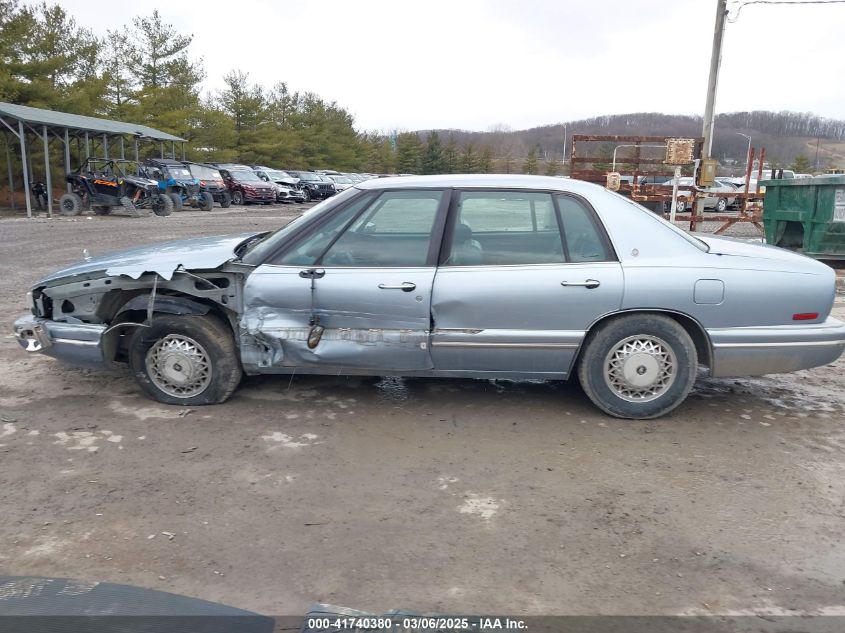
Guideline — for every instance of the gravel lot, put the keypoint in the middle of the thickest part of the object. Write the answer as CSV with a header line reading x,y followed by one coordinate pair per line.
x,y
427,494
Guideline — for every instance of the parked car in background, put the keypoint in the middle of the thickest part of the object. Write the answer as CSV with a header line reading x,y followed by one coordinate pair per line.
x,y
341,182
476,276
719,203
312,185
246,187
287,187
211,181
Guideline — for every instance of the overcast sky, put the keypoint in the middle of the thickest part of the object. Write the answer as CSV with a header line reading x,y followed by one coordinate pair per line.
x,y
473,64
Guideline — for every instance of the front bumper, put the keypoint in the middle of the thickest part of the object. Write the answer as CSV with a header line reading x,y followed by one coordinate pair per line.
x,y
75,343
755,351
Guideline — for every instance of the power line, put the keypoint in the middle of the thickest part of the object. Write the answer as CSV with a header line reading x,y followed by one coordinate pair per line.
x,y
745,3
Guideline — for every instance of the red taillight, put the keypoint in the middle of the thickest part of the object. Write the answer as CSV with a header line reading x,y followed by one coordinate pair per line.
x,y
202,183
805,316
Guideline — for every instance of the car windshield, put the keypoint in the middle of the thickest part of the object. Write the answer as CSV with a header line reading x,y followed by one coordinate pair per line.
x,y
208,173
179,172
278,175
244,175
342,180
310,177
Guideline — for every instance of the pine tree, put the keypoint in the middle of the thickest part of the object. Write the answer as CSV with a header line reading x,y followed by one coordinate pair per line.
x,y
801,164
551,168
485,160
433,157
408,153
530,164
450,156
469,160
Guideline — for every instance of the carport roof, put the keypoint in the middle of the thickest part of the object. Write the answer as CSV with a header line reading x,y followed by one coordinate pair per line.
x,y
78,122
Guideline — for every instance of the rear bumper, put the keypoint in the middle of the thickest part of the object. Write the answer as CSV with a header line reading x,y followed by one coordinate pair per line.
x,y
754,351
75,343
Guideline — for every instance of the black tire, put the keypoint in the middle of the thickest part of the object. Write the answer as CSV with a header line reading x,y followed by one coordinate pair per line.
x,y
596,368
238,197
307,193
207,337
70,204
681,206
176,199
206,201
162,205
226,200
721,205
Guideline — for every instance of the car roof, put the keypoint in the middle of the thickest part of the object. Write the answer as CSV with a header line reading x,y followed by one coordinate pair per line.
x,y
509,181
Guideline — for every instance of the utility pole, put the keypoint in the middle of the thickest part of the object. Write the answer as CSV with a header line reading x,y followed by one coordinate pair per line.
x,y
715,62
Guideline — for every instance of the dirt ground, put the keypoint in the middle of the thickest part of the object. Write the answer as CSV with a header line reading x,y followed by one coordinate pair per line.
x,y
427,494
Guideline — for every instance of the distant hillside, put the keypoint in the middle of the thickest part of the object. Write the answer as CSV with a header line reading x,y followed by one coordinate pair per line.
x,y
784,135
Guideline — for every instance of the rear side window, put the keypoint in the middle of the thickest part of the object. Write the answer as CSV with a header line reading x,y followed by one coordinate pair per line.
x,y
584,241
501,228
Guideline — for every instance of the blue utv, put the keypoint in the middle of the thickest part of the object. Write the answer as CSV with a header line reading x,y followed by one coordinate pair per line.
x,y
176,180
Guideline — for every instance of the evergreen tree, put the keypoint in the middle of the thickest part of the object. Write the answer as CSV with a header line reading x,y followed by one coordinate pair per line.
x,y
450,156
485,160
801,164
552,167
530,164
408,153
469,160
433,157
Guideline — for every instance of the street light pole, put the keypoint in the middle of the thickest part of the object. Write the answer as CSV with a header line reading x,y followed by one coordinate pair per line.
x,y
747,150
715,62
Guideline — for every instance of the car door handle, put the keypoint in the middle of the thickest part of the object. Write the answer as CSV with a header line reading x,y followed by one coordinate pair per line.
x,y
407,286
589,283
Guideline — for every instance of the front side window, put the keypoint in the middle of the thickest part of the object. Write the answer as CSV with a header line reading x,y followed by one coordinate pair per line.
x,y
393,229
505,228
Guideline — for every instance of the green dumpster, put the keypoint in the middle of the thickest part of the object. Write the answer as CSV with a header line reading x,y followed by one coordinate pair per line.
x,y
806,215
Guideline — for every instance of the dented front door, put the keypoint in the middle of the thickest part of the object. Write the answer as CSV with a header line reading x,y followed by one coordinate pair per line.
x,y
359,296
371,318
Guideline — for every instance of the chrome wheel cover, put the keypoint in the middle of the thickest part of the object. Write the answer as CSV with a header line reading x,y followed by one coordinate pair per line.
x,y
640,368
179,366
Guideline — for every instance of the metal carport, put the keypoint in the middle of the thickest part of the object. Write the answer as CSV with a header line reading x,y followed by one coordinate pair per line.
x,y
25,122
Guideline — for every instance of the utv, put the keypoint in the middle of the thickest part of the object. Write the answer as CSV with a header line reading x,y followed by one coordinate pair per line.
x,y
102,185
211,182
177,182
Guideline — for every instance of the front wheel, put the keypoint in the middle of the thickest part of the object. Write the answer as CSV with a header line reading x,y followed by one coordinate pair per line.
x,y
639,367
307,193
70,204
721,205
177,201
238,198
207,201
185,360
162,205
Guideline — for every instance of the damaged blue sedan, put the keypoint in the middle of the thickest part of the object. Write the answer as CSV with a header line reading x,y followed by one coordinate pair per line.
x,y
449,276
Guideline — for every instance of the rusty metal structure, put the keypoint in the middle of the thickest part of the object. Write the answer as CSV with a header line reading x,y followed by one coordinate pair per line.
x,y
588,165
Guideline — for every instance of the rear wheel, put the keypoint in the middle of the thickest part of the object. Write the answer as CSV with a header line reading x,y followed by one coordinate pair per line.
x,y
176,199
226,200
206,201
70,204
162,205
639,366
185,360
238,198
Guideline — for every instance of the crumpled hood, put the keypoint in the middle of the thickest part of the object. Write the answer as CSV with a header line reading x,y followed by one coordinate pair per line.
x,y
164,258
720,245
